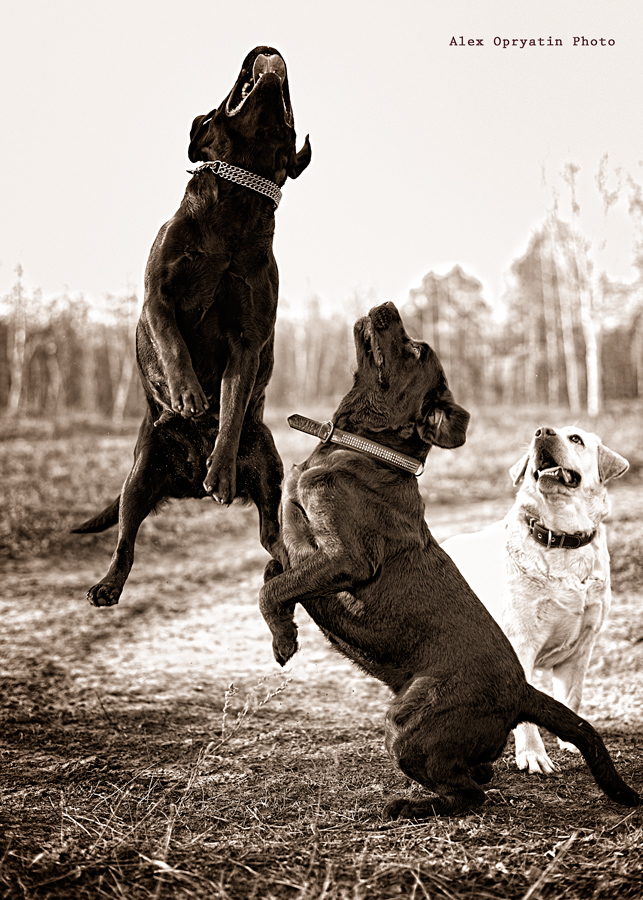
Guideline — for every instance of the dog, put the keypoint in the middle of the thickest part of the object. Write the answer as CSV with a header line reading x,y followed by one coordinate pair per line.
x,y
543,572
364,565
205,337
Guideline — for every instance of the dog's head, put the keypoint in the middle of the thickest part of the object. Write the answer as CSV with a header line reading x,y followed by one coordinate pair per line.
x,y
568,467
254,126
400,385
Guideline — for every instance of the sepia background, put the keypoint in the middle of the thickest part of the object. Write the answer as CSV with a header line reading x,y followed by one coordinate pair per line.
x,y
493,193
496,196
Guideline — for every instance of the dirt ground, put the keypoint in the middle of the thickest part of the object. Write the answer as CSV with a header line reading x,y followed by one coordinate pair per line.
x,y
176,691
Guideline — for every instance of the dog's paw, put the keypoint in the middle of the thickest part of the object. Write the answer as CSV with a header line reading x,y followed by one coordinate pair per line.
x,y
221,481
187,397
565,745
104,594
284,646
273,568
398,808
535,762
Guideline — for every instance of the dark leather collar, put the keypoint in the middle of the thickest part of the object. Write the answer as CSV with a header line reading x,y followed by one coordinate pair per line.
x,y
550,539
326,432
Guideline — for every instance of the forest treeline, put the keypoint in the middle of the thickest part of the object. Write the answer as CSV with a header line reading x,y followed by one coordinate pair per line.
x,y
564,333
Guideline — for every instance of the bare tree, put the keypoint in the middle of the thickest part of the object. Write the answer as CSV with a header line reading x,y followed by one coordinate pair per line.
x,y
120,331
17,341
551,319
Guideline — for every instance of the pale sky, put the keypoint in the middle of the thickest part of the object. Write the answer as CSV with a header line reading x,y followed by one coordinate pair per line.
x,y
424,154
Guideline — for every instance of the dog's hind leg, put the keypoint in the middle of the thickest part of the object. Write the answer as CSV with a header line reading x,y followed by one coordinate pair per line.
x,y
261,473
144,488
456,791
433,746
482,773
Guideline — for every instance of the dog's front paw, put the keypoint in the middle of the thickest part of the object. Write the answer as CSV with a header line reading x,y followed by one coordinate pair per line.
x,y
186,396
536,762
221,479
570,748
104,594
273,568
284,645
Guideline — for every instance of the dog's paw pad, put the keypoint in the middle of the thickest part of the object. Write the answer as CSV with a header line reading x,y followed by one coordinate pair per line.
x,y
103,595
284,650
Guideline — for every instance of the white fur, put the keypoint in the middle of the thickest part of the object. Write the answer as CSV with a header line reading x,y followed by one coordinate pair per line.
x,y
551,603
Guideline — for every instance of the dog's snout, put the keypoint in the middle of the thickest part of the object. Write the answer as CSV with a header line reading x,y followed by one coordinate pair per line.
x,y
545,431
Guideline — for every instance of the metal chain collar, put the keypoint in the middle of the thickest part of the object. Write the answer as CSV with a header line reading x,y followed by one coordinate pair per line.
x,y
242,177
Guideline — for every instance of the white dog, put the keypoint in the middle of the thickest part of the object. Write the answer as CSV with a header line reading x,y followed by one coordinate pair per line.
x,y
543,572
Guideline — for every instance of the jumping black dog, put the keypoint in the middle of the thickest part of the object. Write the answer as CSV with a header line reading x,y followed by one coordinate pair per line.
x,y
205,337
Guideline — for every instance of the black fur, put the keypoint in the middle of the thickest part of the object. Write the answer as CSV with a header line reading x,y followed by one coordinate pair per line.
x,y
206,333
363,563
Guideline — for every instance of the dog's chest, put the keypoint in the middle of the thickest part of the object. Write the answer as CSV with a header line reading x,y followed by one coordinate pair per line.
x,y
557,603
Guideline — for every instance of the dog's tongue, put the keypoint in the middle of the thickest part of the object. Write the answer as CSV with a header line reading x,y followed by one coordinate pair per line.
x,y
556,472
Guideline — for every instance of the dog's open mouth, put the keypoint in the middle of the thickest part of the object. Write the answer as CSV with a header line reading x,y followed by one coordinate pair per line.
x,y
265,65
382,316
550,469
370,343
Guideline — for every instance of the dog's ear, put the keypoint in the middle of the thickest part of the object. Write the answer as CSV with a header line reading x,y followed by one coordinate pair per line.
x,y
298,161
442,422
610,464
198,133
517,471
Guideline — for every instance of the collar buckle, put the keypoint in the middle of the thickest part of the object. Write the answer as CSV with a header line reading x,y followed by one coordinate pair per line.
x,y
326,431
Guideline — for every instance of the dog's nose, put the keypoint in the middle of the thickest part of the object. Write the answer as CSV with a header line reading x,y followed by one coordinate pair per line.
x,y
545,431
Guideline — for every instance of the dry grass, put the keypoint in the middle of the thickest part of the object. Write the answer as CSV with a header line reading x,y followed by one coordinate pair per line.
x,y
155,750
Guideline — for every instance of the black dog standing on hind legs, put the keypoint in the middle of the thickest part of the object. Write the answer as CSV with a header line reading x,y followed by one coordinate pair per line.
x,y
364,565
205,338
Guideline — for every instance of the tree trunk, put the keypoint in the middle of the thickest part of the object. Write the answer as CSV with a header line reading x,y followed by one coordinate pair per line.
x,y
551,329
589,291
124,382
637,356
88,384
567,334
531,361
16,361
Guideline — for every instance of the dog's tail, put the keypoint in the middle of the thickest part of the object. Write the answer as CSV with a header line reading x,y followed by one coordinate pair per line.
x,y
543,710
104,520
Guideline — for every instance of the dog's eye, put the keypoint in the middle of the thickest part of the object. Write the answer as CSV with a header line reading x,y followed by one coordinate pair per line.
x,y
576,439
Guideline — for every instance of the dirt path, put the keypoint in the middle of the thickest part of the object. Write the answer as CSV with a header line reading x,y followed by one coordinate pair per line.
x,y
188,625
115,725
